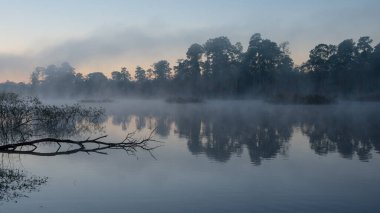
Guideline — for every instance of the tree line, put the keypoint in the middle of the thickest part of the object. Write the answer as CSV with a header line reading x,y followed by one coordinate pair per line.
x,y
219,68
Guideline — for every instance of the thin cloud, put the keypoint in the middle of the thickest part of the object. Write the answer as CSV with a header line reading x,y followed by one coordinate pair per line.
x,y
107,45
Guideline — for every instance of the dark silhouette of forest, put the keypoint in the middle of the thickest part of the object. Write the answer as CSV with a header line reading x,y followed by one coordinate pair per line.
x,y
219,68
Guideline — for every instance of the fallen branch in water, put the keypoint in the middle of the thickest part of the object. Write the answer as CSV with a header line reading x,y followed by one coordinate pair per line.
x,y
129,144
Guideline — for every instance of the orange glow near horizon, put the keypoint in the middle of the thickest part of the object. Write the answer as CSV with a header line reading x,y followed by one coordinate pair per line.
x,y
107,67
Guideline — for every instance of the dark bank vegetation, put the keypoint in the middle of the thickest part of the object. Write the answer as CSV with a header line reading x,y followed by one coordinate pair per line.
x,y
105,100
300,99
184,100
27,126
219,68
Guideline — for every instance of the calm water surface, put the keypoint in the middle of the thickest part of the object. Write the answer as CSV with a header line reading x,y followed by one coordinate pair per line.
x,y
221,156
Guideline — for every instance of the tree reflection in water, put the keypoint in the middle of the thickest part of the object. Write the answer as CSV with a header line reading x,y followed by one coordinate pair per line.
x,y
29,127
26,125
219,130
26,119
349,130
16,183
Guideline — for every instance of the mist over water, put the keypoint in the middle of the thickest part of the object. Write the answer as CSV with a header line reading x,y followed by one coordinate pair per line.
x,y
220,156
190,106
219,129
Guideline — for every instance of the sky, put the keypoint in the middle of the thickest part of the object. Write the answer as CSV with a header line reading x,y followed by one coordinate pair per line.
x,y
105,35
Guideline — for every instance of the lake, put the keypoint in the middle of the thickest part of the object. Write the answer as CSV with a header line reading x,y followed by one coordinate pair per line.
x,y
218,156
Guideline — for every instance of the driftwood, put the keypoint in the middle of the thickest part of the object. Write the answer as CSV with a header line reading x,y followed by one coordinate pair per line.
x,y
96,145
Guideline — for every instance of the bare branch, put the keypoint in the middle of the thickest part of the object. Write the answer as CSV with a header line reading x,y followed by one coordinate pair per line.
x,y
129,144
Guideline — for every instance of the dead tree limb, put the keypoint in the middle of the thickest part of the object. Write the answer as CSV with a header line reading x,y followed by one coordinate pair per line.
x,y
96,145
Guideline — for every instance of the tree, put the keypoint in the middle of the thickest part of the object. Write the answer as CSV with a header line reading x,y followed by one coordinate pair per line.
x,y
320,57
364,47
221,65
96,82
182,71
140,74
264,60
346,53
125,75
150,74
162,70
345,62
57,73
187,72
116,76
122,76
375,69
58,80
364,77
96,78
319,66
194,55
375,59
36,77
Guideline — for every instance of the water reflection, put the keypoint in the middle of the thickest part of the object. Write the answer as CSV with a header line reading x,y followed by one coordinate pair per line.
x,y
16,183
219,134
25,119
27,125
23,122
349,131
222,129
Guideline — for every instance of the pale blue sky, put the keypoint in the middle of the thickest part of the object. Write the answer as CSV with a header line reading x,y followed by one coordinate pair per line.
x,y
96,35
